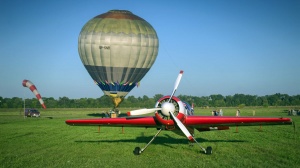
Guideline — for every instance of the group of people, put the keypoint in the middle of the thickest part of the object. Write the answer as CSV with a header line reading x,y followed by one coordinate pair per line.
x,y
220,113
217,113
293,112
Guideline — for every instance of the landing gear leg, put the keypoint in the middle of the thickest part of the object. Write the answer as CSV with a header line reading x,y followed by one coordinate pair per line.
x,y
138,150
207,151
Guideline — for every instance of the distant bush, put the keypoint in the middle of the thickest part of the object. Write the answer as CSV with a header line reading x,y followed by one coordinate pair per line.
x,y
241,106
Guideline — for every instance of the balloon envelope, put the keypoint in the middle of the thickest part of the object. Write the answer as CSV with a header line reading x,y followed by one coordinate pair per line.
x,y
117,48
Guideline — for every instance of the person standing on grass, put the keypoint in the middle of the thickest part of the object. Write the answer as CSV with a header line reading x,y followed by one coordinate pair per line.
x,y
238,113
221,112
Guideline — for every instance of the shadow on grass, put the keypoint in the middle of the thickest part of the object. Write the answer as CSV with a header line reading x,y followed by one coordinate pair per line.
x,y
100,115
163,140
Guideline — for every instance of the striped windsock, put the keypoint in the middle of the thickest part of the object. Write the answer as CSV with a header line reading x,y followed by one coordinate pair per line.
x,y
30,85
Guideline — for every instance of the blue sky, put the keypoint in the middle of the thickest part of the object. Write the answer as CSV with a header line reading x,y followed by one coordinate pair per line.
x,y
224,47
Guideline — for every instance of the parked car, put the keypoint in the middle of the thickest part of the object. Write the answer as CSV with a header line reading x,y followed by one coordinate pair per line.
x,y
31,112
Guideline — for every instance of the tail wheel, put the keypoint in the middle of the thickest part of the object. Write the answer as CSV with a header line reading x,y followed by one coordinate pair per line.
x,y
209,150
137,151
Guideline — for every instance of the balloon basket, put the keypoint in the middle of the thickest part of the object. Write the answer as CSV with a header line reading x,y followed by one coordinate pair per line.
x,y
113,115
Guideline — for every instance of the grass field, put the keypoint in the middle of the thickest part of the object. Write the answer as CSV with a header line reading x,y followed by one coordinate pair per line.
x,y
49,142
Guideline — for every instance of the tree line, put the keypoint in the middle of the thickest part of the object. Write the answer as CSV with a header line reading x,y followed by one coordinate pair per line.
x,y
215,100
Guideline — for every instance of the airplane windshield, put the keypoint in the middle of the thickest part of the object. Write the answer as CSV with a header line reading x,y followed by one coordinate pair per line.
x,y
188,108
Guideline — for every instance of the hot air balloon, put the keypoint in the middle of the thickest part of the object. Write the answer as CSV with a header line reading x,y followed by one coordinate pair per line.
x,y
31,86
117,49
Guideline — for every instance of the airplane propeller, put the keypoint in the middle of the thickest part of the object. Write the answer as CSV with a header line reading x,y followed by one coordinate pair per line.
x,y
176,85
165,107
182,127
142,111
188,134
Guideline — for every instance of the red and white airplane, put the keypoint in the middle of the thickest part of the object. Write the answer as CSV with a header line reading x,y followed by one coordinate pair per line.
x,y
170,113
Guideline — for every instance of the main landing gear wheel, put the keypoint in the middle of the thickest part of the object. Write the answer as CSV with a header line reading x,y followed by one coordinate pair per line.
x,y
209,150
137,151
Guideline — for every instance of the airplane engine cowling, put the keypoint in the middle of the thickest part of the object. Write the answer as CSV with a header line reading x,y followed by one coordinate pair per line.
x,y
179,110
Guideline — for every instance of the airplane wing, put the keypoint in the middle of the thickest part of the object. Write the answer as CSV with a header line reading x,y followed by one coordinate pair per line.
x,y
190,121
117,122
214,121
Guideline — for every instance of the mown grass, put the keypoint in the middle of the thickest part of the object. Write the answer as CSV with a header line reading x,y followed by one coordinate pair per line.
x,y
49,142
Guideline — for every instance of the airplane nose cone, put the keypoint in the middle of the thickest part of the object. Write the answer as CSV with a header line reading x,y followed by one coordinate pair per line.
x,y
166,108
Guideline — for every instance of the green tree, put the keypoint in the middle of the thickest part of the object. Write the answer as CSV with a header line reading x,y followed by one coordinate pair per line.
x,y
16,102
63,102
265,102
132,99
217,100
157,97
50,102
1,102
105,101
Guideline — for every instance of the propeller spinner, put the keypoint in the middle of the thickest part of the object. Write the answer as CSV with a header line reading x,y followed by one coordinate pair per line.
x,y
167,107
